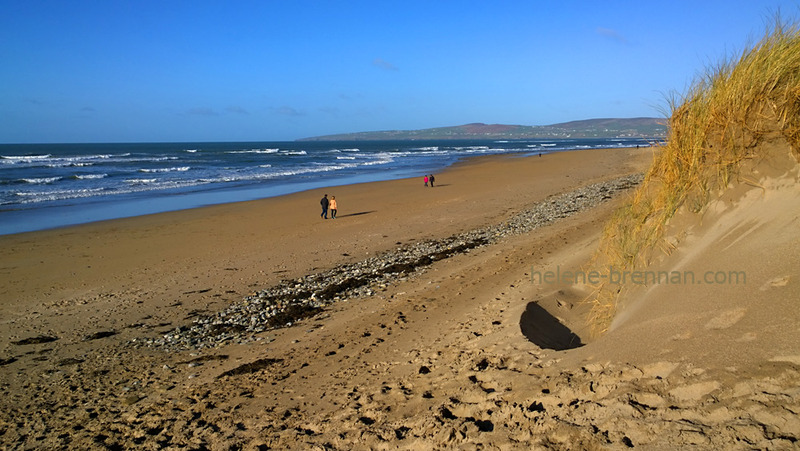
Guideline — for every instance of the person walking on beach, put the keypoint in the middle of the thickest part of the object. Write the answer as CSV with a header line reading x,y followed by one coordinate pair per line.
x,y
324,202
332,206
431,178
426,179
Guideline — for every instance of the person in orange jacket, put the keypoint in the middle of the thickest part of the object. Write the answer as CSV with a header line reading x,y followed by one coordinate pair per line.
x,y
332,207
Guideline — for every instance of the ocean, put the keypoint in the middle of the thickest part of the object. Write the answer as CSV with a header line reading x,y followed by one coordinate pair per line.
x,y
46,186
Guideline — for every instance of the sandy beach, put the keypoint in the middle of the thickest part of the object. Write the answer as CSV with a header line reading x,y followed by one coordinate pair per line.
x,y
234,249
445,357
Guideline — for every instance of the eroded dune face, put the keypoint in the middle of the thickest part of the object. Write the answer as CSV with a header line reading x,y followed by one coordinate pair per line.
x,y
720,312
701,275
731,264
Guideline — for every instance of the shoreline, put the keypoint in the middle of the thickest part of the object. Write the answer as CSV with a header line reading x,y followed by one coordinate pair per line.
x,y
22,218
133,205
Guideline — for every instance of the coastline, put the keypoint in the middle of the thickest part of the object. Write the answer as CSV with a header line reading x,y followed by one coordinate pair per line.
x,y
64,185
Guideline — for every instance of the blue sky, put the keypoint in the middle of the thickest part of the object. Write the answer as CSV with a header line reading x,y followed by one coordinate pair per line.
x,y
145,71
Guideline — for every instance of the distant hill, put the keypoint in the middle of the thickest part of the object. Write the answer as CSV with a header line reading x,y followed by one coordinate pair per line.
x,y
639,127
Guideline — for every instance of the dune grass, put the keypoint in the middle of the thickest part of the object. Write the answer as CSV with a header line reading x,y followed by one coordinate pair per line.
x,y
716,126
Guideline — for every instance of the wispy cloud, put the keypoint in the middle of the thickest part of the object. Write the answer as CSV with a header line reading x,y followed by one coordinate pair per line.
x,y
287,111
235,109
383,64
202,111
350,96
333,111
612,34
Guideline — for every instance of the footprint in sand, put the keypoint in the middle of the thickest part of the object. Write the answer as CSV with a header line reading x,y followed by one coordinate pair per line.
x,y
726,319
776,282
681,336
749,336
659,370
795,359
694,392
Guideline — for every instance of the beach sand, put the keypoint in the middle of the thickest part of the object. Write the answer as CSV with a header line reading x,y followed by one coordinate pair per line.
x,y
442,358
112,271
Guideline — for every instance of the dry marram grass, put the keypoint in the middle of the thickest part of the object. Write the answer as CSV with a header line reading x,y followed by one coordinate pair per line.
x,y
713,128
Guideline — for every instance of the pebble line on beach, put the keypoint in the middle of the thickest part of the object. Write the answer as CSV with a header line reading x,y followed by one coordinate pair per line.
x,y
293,300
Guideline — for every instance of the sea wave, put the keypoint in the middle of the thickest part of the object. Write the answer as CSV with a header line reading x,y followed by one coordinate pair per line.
x,y
254,151
159,170
22,158
69,161
410,153
255,176
69,165
307,170
45,196
377,162
142,184
141,181
103,156
40,180
486,149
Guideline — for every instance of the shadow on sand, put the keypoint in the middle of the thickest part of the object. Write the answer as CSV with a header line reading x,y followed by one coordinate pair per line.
x,y
356,214
545,330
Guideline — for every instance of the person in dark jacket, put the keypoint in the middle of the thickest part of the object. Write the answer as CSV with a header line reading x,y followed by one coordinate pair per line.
x,y
324,202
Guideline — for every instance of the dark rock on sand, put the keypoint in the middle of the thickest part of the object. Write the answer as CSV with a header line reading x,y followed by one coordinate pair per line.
x,y
251,367
35,340
99,335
